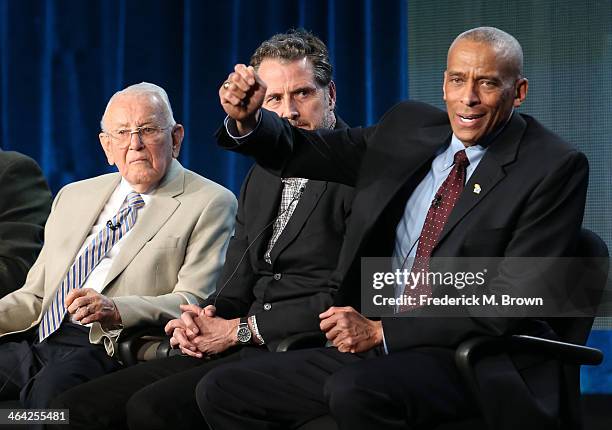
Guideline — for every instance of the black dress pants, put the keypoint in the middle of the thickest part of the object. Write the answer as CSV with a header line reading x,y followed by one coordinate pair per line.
x,y
35,373
158,394
410,389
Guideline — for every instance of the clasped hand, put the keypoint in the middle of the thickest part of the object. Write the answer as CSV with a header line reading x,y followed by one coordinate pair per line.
x,y
87,306
199,332
350,331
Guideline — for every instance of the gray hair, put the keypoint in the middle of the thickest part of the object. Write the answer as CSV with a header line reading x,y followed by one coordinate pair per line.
x,y
295,45
504,44
145,88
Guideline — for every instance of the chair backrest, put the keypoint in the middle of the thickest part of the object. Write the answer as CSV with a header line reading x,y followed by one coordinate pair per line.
x,y
592,267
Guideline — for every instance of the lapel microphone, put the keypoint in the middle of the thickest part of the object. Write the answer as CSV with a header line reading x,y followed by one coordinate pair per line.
x,y
112,226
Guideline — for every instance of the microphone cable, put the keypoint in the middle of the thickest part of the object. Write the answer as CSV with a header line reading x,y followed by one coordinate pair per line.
x,y
296,196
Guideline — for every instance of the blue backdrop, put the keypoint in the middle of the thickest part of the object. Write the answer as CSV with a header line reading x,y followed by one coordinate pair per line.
x,y
60,61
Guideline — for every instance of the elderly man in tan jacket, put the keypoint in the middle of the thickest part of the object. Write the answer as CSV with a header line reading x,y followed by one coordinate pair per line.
x,y
120,250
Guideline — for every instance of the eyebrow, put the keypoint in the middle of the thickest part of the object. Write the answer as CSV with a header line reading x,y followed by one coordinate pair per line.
x,y
273,93
495,78
305,88
149,121
453,73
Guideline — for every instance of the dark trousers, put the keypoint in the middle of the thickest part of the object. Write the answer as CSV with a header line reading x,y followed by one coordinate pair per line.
x,y
36,372
157,394
410,389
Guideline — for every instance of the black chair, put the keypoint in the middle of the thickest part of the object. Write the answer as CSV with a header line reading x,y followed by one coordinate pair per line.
x,y
140,344
570,352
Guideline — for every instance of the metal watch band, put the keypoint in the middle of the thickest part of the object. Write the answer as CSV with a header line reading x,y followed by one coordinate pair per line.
x,y
260,339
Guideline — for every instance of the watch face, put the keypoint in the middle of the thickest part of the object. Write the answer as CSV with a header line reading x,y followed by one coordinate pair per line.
x,y
244,334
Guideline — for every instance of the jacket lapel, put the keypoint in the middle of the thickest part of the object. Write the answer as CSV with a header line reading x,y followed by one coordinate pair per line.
x,y
150,219
391,164
489,172
305,206
81,217
262,208
397,163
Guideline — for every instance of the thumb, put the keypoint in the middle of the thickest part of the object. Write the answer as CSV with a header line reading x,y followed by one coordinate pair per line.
x,y
210,311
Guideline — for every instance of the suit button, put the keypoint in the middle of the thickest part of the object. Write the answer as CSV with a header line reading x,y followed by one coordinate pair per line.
x,y
267,306
277,276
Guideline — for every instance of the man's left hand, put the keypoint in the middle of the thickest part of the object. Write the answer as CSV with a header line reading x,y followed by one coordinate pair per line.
x,y
350,331
89,306
214,334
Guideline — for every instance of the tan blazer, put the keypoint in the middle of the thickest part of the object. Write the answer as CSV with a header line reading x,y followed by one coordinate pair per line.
x,y
173,255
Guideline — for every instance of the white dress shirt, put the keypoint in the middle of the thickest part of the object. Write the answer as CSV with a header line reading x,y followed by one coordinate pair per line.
x,y
96,278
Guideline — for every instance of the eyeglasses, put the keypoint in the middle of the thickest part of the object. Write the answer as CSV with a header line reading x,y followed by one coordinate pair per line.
x,y
147,135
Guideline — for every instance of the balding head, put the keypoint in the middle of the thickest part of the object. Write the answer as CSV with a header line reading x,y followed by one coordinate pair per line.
x,y
157,94
504,44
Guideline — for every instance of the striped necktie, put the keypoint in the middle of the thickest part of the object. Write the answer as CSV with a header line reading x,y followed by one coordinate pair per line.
x,y
86,262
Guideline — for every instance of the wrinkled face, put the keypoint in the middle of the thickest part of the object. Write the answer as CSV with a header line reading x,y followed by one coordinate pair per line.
x,y
294,94
480,90
145,159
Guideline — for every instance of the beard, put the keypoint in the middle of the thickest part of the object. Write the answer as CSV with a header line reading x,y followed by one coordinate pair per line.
x,y
329,121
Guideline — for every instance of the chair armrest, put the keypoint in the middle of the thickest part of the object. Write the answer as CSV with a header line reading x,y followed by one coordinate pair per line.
x,y
470,350
568,353
164,349
133,342
311,339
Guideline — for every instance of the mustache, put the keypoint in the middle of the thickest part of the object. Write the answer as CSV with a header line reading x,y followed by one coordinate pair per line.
x,y
297,123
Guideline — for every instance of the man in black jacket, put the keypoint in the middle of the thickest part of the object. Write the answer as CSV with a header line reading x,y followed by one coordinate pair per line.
x,y
25,202
288,237
480,180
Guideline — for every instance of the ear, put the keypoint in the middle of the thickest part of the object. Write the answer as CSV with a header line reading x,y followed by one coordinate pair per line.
x,y
444,86
521,87
106,143
178,133
331,102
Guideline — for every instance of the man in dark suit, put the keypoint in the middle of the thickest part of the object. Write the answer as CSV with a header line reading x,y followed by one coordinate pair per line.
x,y
274,284
25,202
478,181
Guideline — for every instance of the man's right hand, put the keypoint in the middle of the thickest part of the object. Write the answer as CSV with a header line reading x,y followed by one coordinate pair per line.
x,y
182,330
242,95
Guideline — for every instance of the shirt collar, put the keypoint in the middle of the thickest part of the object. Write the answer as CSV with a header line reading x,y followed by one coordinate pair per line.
x,y
125,188
447,157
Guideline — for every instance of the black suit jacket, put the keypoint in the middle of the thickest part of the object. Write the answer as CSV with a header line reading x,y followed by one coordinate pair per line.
x,y
25,202
531,204
287,295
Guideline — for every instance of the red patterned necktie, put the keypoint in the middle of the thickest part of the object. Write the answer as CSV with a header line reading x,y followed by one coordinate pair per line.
x,y
439,211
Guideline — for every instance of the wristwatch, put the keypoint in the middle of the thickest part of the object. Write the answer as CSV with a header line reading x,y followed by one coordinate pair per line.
x,y
243,333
